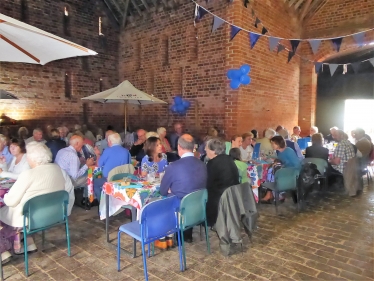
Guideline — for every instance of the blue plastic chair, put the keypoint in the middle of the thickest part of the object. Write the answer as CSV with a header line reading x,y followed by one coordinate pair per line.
x,y
193,212
43,212
256,151
303,143
157,219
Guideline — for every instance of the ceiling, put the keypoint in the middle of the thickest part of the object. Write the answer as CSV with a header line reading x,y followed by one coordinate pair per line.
x,y
305,8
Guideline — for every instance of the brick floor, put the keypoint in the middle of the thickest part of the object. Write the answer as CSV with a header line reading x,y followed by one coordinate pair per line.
x,y
331,240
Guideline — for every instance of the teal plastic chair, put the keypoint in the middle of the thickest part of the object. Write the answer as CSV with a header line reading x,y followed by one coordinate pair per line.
x,y
285,180
322,166
43,212
192,212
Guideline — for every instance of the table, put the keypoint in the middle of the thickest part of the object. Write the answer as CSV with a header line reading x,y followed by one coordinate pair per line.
x,y
5,185
257,172
92,173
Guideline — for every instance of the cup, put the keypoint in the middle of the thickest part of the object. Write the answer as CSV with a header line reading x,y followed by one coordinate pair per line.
x,y
151,177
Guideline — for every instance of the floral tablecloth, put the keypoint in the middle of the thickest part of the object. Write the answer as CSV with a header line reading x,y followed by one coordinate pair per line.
x,y
5,185
93,173
257,171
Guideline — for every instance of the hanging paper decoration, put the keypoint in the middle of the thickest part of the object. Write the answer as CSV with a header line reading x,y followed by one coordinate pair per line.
x,y
180,105
290,55
273,42
246,2
294,44
200,13
257,22
280,48
355,66
264,31
345,69
336,42
359,38
317,66
217,22
253,37
239,76
234,30
315,45
333,68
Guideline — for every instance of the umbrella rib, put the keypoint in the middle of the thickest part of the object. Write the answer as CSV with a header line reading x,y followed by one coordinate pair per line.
x,y
19,48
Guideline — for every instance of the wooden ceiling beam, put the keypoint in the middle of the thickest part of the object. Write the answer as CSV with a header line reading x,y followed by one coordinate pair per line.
x,y
136,7
291,2
145,5
124,16
305,9
297,5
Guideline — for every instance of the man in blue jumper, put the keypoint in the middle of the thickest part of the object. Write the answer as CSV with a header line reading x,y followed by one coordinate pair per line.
x,y
115,155
185,175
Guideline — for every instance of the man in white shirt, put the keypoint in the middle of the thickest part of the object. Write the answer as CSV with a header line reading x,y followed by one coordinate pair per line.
x,y
246,149
37,135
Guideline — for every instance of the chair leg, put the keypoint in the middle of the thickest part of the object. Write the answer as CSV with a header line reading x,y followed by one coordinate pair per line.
x,y
25,252
133,218
207,236
67,235
276,202
183,249
118,251
1,271
144,262
201,238
180,242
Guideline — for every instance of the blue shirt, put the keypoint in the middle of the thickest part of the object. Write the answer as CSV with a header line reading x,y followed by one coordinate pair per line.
x,y
154,167
113,157
8,156
289,159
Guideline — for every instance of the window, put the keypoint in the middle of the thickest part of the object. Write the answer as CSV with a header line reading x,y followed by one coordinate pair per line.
x,y
100,26
66,22
67,85
24,11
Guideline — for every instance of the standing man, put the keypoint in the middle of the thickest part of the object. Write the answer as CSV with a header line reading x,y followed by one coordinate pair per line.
x,y
173,138
184,176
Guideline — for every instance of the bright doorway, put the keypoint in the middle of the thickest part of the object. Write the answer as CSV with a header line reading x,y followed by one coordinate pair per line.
x,y
359,113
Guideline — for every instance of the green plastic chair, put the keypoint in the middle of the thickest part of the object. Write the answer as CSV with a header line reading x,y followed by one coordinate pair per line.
x,y
192,212
322,166
285,180
43,212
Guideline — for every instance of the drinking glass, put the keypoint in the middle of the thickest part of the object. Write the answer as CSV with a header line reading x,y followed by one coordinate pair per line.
x,y
151,177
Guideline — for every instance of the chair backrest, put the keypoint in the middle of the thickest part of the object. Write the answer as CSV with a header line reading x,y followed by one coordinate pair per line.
x,y
121,176
256,151
286,179
127,168
303,143
159,218
46,210
320,163
192,208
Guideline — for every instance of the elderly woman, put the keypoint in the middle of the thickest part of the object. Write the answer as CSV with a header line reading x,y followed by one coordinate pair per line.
x,y
164,142
222,173
5,155
266,146
19,162
317,150
212,133
23,133
42,178
154,160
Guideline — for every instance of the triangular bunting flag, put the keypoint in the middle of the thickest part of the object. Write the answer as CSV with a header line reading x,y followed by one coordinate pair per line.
x,y
217,22
315,45
280,48
200,13
355,66
372,61
234,30
336,43
359,38
246,2
253,37
253,13
273,42
290,55
294,44
257,21
317,66
333,68
264,31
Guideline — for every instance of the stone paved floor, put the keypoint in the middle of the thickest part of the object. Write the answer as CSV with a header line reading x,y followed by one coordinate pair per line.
x,y
331,240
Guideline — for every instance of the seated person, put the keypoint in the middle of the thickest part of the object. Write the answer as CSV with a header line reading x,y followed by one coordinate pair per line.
x,y
137,148
287,157
222,173
115,155
313,130
103,144
293,145
5,155
68,160
242,167
154,160
19,162
296,134
246,148
236,142
266,146
362,143
173,138
331,137
343,152
184,176
55,143
164,142
43,177
317,150
37,135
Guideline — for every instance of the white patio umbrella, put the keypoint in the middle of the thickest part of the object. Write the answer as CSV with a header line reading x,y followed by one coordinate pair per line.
x,y
124,93
21,42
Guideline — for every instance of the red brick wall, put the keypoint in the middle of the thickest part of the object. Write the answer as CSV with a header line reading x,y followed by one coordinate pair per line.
x,y
40,89
198,67
336,18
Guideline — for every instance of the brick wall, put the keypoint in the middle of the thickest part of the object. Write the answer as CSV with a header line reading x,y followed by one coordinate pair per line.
x,y
335,18
197,68
41,89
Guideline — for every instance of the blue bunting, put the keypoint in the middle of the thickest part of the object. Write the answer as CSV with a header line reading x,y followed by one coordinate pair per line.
x,y
180,105
239,76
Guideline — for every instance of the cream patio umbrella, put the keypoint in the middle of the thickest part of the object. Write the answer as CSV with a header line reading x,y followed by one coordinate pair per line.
x,y
21,42
124,93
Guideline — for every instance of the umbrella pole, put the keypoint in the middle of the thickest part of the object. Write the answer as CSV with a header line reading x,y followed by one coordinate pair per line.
x,y
125,117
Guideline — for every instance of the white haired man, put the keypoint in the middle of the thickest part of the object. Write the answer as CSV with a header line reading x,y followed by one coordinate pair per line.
x,y
313,130
333,134
115,155
68,160
37,135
